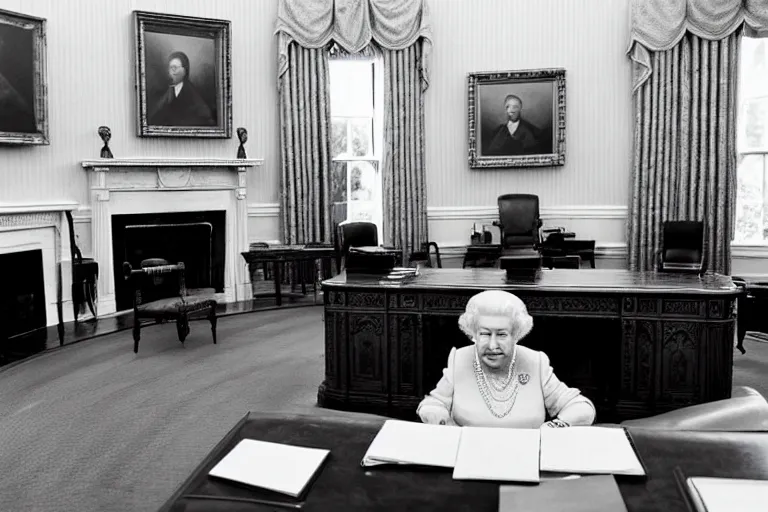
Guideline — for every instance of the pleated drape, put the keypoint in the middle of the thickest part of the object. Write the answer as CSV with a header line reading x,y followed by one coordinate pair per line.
x,y
403,171
305,146
684,165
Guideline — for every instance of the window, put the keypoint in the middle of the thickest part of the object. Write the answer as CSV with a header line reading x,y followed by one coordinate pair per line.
x,y
356,140
752,144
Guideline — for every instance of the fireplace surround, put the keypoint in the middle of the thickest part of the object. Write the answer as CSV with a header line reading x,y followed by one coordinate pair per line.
x,y
170,185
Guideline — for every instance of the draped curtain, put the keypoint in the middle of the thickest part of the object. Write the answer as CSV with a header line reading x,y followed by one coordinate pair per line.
x,y
401,30
685,59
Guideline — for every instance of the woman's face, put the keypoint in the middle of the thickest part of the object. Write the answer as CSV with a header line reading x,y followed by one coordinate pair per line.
x,y
493,340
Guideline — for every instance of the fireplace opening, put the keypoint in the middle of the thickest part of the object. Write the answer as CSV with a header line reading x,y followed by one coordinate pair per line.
x,y
196,238
22,305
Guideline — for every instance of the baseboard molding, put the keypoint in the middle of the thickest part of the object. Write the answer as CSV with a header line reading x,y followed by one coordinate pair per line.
x,y
263,210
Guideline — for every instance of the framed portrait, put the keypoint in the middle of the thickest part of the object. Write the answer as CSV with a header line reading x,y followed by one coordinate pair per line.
x,y
516,118
23,86
183,76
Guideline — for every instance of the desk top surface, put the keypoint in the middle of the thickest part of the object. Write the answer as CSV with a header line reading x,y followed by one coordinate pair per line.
x,y
555,280
343,484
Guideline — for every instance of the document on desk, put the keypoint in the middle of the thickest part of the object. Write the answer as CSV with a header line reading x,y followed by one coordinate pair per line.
x,y
728,494
406,442
594,493
589,450
502,454
276,467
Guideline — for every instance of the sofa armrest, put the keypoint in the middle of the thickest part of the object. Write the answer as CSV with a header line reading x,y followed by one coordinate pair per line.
x,y
746,410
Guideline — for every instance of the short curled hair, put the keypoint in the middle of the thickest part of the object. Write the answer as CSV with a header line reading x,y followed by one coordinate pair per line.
x,y
496,302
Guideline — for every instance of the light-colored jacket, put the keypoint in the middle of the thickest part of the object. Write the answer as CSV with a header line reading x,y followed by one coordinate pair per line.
x,y
540,393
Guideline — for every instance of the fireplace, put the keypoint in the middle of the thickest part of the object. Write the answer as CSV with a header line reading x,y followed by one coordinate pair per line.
x,y
206,198
22,304
196,238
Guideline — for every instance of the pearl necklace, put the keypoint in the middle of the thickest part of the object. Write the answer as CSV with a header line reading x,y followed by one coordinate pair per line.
x,y
498,398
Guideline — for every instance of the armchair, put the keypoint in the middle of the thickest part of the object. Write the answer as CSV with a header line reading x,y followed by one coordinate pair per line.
x,y
355,234
682,247
519,221
160,294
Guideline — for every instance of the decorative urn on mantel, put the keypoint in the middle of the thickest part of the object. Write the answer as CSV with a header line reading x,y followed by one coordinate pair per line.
x,y
126,186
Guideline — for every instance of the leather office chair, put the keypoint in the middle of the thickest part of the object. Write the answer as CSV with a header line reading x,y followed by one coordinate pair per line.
x,y
682,248
355,234
519,221
746,410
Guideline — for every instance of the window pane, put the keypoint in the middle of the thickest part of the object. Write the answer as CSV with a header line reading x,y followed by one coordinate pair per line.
x,y
750,198
338,137
362,176
339,182
361,136
351,87
754,121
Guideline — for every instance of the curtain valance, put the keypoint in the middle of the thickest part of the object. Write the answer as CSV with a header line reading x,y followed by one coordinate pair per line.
x,y
352,24
658,25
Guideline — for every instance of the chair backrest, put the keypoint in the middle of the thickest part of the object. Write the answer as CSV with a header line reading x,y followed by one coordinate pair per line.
x,y
682,247
519,219
156,279
357,234
683,241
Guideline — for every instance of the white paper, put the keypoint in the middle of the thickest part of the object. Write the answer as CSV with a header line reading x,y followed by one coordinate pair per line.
x,y
405,442
503,454
730,494
590,450
278,467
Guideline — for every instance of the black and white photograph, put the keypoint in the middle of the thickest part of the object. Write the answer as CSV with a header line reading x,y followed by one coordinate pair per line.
x,y
23,98
517,118
183,75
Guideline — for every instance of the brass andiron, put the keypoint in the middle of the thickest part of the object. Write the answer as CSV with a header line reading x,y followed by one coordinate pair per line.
x,y
242,134
105,133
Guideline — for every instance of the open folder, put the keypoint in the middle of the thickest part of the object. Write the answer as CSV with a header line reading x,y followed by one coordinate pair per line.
x,y
474,453
589,450
484,453
276,467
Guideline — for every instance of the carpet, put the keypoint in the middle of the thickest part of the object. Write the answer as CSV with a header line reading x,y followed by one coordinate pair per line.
x,y
95,427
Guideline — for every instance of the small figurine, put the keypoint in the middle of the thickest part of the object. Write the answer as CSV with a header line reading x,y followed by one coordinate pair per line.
x,y
105,133
242,134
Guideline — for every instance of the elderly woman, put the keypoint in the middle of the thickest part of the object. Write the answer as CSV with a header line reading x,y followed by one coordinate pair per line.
x,y
498,383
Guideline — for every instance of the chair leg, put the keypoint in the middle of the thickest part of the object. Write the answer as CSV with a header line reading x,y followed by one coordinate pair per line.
x,y
212,319
182,327
136,335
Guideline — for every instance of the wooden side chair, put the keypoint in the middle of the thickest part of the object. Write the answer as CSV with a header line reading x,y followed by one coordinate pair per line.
x,y
160,294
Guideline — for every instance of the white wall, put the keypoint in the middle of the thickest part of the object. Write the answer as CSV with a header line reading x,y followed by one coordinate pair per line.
x,y
91,83
586,37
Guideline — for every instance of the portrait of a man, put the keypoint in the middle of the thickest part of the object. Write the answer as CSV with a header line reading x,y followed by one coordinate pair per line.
x,y
183,75
516,136
21,85
517,118
181,104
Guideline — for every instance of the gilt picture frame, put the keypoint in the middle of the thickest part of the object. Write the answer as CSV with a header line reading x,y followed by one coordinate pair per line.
x,y
23,80
516,118
183,76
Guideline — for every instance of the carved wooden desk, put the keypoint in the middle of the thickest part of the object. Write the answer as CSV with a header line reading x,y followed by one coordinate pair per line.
x,y
636,343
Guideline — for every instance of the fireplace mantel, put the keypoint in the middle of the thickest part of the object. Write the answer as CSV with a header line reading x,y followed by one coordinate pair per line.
x,y
157,185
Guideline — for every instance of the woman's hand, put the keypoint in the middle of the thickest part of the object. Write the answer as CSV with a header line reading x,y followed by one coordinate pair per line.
x,y
556,423
437,418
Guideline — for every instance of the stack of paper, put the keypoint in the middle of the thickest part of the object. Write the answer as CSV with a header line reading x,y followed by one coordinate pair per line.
x,y
596,450
504,454
728,494
405,442
273,466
